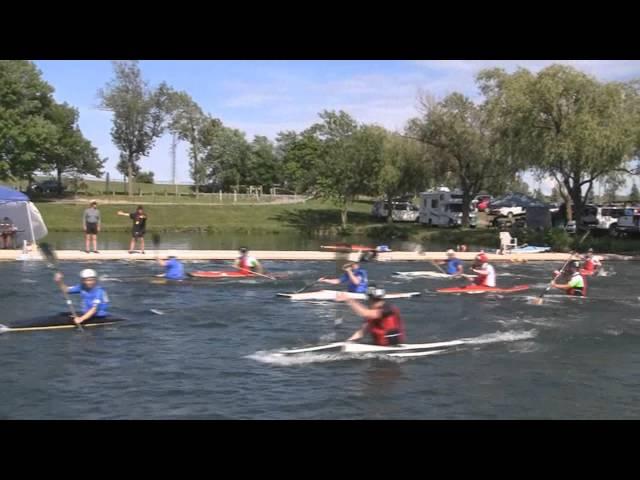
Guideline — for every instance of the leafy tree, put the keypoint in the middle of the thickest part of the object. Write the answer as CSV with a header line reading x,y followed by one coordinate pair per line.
x,y
69,152
145,177
25,131
538,195
139,114
227,154
565,123
300,158
463,135
264,165
404,168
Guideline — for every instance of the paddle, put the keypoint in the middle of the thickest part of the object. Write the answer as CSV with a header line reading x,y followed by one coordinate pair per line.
x,y
438,267
255,273
539,300
49,253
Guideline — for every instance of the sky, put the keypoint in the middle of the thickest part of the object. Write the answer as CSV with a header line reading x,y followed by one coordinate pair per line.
x,y
266,97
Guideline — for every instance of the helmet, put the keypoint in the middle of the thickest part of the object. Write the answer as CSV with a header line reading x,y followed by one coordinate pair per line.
x,y
88,273
450,253
482,257
375,293
243,250
574,265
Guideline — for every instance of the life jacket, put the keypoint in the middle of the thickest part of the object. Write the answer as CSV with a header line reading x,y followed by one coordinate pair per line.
x,y
589,265
578,292
244,262
388,329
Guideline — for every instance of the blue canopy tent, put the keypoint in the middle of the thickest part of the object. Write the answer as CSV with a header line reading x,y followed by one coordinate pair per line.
x,y
23,214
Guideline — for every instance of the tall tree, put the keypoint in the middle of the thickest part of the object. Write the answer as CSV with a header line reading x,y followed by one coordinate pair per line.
x,y
300,159
404,168
264,165
25,132
350,156
565,124
463,135
226,154
612,185
139,113
69,152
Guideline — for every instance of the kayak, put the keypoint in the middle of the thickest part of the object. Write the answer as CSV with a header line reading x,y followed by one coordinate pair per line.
x,y
482,289
348,247
219,274
331,295
55,322
428,274
398,350
530,249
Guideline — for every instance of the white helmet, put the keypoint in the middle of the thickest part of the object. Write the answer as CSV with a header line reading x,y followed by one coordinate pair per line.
x,y
88,273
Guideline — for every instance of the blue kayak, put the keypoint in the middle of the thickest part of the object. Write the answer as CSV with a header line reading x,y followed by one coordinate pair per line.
x,y
530,249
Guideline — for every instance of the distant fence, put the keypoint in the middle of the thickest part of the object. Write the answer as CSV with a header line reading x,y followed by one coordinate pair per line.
x,y
189,198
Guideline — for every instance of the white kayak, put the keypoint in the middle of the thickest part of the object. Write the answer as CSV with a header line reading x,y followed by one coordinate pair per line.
x,y
427,274
332,294
398,350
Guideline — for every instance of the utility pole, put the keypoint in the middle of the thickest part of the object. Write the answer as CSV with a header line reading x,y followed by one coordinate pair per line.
x,y
174,144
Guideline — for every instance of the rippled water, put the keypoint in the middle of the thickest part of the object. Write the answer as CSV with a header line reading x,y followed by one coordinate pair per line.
x,y
213,352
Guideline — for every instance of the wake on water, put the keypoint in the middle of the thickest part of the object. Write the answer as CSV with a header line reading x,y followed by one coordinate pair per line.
x,y
273,357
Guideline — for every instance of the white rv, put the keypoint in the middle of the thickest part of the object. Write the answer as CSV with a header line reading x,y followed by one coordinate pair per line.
x,y
443,208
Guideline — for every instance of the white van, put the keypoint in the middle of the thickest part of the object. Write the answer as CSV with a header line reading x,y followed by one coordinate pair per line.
x,y
602,217
443,208
402,211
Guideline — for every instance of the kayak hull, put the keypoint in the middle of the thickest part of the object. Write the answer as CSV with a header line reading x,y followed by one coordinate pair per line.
x,y
332,294
56,322
530,249
425,274
350,347
481,289
219,274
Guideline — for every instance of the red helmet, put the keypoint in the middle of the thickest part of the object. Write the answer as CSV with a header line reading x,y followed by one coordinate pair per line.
x,y
482,257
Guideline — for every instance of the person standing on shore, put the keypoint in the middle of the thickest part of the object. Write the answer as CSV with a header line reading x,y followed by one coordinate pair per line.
x,y
139,228
91,225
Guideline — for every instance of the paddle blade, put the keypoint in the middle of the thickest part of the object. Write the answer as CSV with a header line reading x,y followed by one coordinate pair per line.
x,y
155,238
48,253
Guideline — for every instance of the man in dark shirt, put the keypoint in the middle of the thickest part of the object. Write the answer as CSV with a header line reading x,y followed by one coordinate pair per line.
x,y
139,228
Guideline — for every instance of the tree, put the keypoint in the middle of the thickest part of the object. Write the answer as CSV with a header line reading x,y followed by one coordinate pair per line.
x,y
226,154
566,124
350,156
634,196
463,135
186,121
612,185
300,157
145,177
139,114
264,165
69,152
25,132
404,168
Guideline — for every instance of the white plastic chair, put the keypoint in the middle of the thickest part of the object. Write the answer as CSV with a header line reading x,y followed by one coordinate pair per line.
x,y
507,242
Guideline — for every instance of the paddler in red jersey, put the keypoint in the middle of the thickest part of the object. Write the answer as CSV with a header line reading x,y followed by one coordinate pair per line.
x,y
484,273
246,263
382,320
591,263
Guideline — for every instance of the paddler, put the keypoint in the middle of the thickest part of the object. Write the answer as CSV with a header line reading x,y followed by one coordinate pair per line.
x,y
484,273
382,320
246,263
173,268
591,263
576,284
453,264
355,277
95,301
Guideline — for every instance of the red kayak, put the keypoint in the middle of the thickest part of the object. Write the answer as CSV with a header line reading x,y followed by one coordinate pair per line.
x,y
482,289
218,274
347,247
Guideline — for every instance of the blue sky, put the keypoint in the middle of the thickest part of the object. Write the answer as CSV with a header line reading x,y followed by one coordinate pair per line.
x,y
265,97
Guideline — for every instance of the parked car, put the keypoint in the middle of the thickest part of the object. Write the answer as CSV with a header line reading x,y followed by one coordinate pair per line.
x,y
570,227
482,202
402,211
47,186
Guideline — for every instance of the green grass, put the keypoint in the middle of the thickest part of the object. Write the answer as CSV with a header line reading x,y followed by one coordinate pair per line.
x,y
310,217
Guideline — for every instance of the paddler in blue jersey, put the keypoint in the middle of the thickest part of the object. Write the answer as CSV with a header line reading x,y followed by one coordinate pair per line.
x,y
95,301
354,276
453,264
173,269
